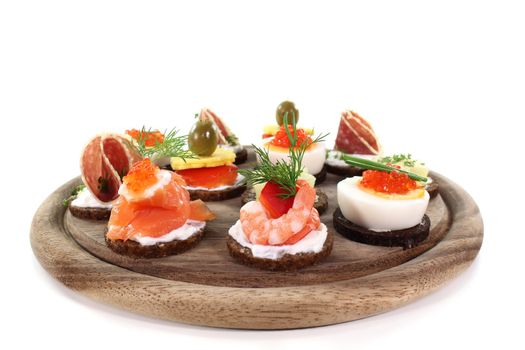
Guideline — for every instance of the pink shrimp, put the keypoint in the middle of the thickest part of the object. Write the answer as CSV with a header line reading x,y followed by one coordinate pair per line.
x,y
302,218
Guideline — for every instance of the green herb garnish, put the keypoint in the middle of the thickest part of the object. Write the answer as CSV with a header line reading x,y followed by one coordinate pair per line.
x,y
73,194
283,173
398,158
173,145
371,165
103,184
232,140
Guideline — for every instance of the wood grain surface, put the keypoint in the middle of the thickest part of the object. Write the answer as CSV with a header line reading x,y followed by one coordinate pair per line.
x,y
205,286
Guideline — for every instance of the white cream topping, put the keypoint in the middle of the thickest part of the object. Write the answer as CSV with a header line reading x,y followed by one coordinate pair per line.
x,y
85,199
163,178
311,243
377,213
238,181
187,230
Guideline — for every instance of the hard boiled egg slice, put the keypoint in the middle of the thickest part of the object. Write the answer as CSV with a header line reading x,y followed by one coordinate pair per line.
x,y
313,159
379,213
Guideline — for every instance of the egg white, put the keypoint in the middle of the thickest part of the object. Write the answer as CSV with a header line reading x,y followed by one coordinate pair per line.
x,y
377,213
313,159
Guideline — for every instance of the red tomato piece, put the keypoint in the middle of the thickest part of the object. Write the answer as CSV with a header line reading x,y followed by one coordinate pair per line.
x,y
271,200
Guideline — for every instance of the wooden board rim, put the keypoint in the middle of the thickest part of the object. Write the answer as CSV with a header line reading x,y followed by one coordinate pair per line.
x,y
258,308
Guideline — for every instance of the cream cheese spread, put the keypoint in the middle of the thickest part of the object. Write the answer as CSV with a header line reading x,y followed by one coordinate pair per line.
x,y
311,243
187,230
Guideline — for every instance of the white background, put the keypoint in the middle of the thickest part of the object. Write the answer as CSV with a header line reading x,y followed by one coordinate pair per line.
x,y
443,80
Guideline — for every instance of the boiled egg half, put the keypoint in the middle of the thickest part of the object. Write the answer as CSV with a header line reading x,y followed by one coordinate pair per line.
x,y
379,212
313,159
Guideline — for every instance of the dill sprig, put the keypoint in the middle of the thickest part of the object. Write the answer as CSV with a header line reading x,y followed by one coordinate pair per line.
x,y
173,145
371,165
283,173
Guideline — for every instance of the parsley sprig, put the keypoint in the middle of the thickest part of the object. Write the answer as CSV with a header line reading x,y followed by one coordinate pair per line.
x,y
406,159
283,173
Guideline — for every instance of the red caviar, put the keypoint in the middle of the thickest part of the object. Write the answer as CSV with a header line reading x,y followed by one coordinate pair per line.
x,y
142,175
151,138
281,137
392,183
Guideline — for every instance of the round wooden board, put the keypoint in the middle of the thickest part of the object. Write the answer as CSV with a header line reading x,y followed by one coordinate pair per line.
x,y
205,286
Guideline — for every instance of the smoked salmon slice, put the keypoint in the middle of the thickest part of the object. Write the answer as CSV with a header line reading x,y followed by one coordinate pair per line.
x,y
157,214
200,212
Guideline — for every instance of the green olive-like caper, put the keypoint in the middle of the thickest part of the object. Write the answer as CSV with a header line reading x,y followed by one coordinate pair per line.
x,y
286,106
202,139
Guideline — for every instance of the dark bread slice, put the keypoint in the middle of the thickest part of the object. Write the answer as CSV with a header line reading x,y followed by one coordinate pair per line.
x,y
406,238
89,213
321,203
432,188
287,262
321,176
218,195
241,156
160,250
344,170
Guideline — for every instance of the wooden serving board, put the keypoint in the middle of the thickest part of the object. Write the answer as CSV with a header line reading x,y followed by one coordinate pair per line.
x,y
205,286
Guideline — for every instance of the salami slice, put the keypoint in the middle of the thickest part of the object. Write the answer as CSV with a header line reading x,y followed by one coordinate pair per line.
x,y
356,136
103,163
225,136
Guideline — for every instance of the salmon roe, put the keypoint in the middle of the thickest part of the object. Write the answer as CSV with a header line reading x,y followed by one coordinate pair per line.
x,y
392,183
281,137
151,138
142,175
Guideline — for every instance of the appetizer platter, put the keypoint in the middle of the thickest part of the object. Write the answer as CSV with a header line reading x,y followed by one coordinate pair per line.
x,y
281,234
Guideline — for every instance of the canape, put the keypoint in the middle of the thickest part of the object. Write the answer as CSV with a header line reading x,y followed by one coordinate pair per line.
x,y
103,162
210,173
282,229
278,145
154,217
225,137
385,206
355,137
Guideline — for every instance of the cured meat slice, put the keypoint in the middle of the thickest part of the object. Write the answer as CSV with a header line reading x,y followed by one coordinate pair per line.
x,y
120,153
103,163
225,135
356,136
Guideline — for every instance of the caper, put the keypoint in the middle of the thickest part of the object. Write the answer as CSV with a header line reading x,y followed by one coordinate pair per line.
x,y
202,139
286,106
